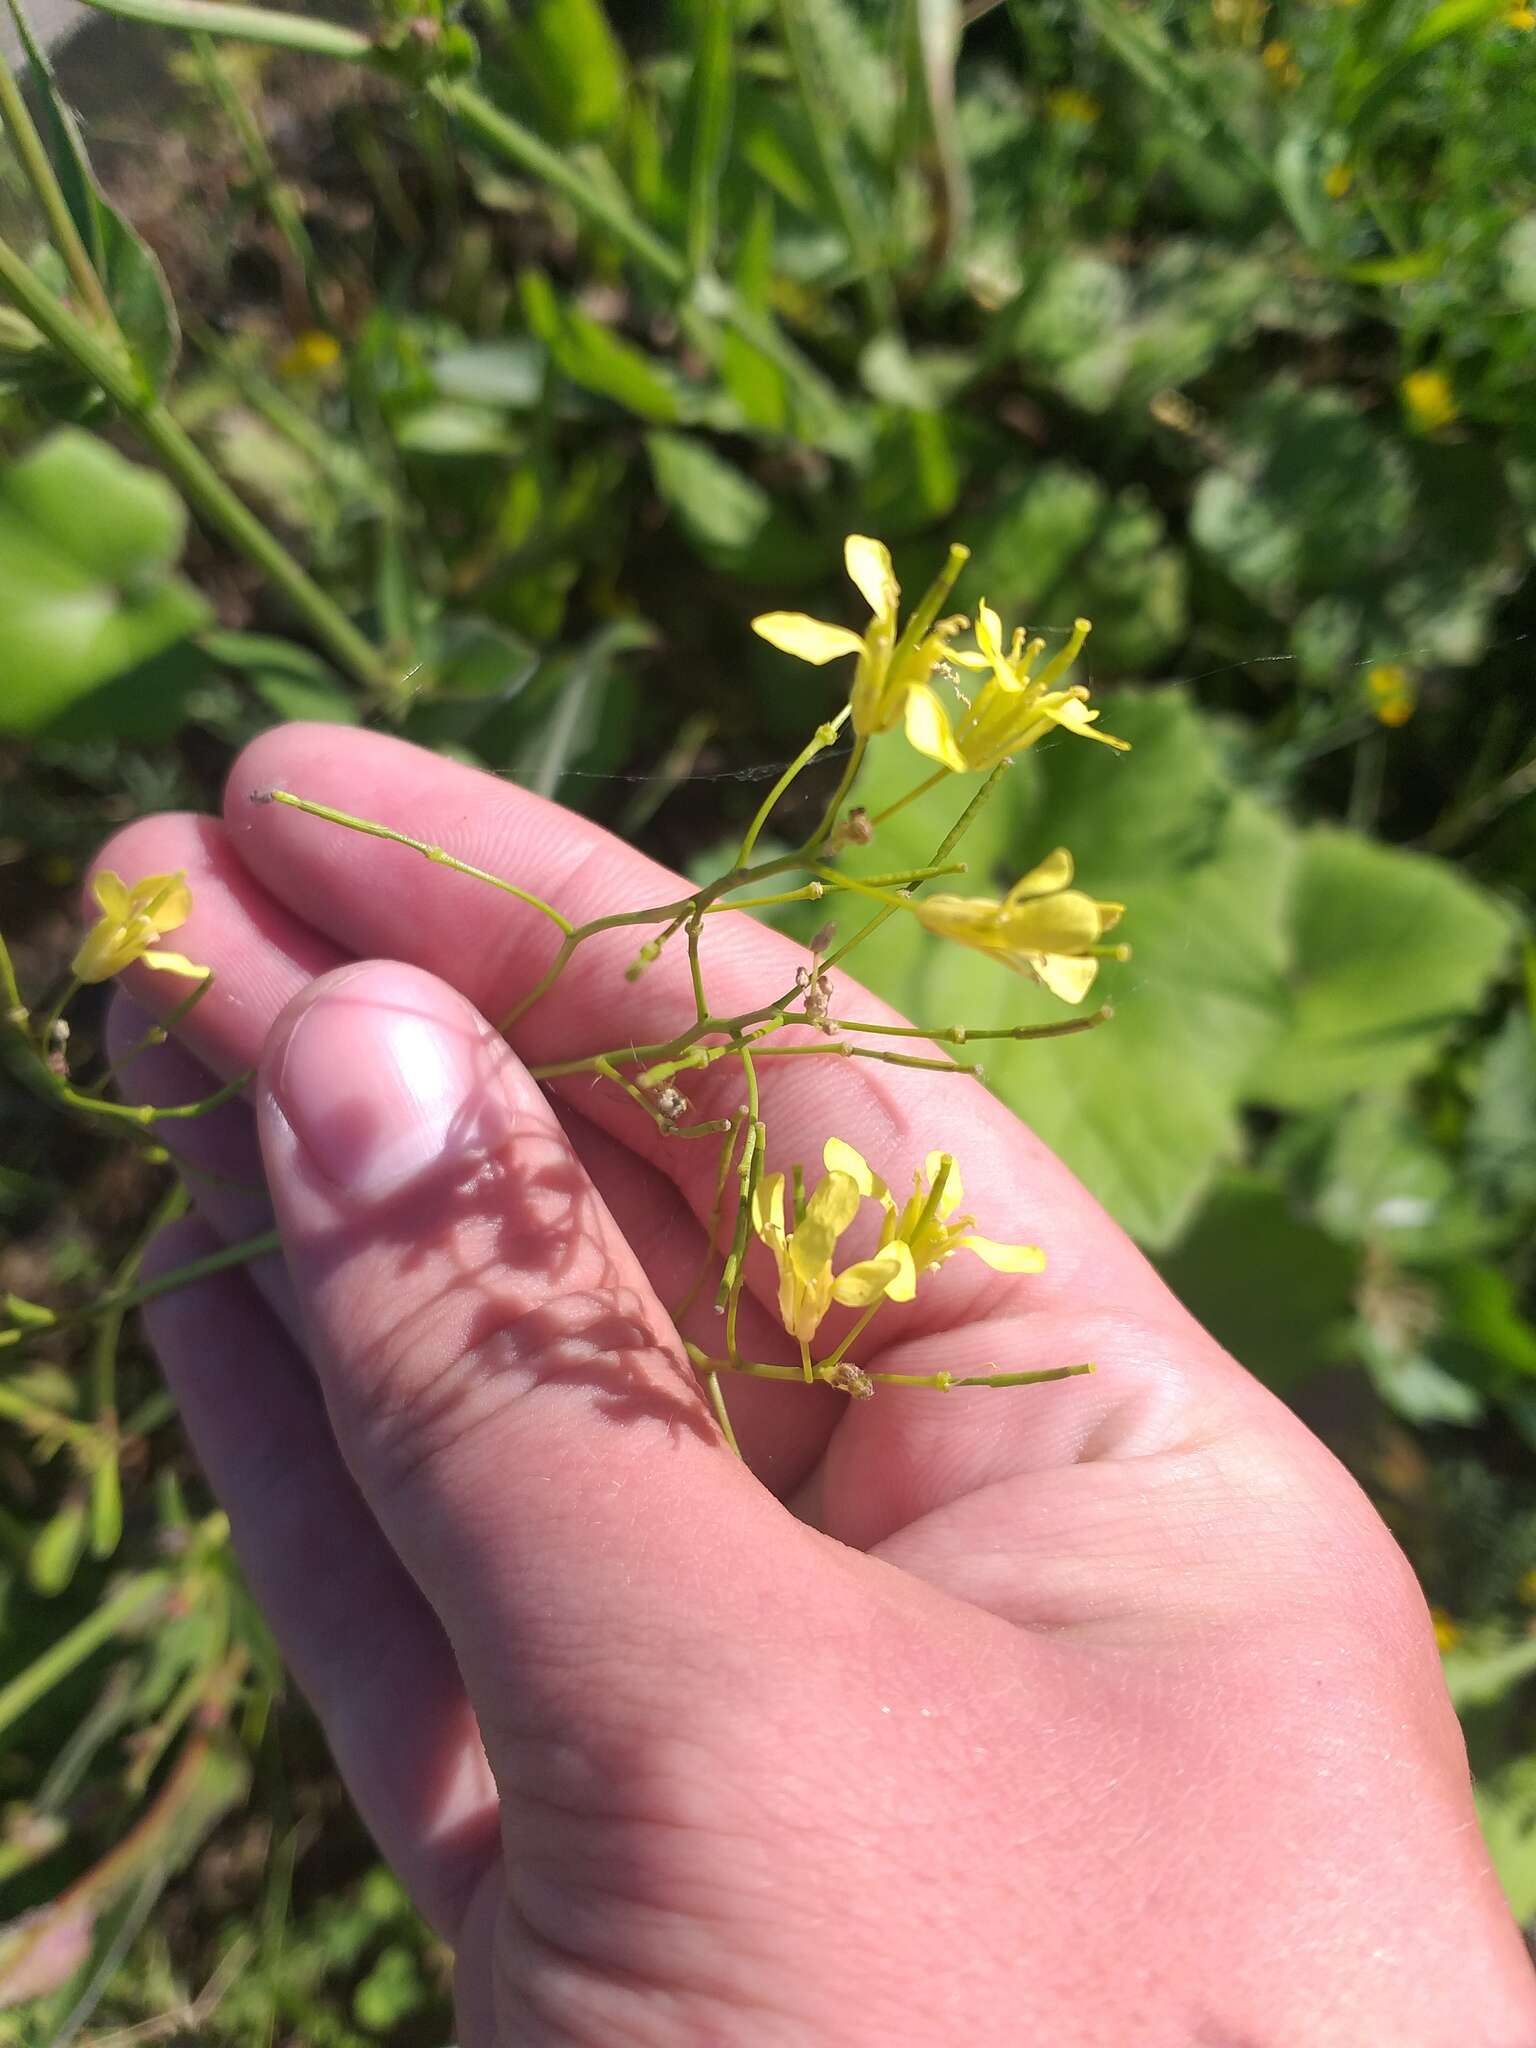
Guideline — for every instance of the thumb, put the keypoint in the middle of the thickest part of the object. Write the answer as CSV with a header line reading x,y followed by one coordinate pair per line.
x,y
505,1387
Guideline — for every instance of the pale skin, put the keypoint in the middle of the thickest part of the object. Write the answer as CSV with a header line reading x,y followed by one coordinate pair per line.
x,y
1091,1713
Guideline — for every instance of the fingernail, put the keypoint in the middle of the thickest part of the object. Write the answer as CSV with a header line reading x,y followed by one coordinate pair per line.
x,y
388,1075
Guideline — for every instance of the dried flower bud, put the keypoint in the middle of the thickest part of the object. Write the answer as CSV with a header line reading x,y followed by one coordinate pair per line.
x,y
857,826
671,1102
820,940
849,1379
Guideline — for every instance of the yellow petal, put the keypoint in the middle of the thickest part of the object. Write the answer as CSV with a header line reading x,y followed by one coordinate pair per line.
x,y
989,636
111,893
165,900
870,1280
929,731
828,1213
1067,710
768,1209
838,1157
1068,922
1053,873
904,1286
1070,979
175,963
869,564
1004,1258
806,638
100,954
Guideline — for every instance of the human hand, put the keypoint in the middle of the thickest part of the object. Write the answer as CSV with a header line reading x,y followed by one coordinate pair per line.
x,y
1094,1713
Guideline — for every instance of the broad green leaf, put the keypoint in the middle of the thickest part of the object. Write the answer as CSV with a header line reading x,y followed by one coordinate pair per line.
x,y
1506,1799
1057,546
87,541
1391,950
288,679
1145,1107
576,66
732,521
506,373
1271,1287
1385,1183
1501,1127
130,271
596,358
1074,328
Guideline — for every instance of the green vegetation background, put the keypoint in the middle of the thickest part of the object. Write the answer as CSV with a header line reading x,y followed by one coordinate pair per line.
x,y
1216,323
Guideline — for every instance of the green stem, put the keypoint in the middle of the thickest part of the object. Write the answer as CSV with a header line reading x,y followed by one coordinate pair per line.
x,y
238,1254
829,816
607,209
911,797
962,1034
275,196
196,476
40,175
436,854
717,1402
824,122
131,1603
818,743
247,24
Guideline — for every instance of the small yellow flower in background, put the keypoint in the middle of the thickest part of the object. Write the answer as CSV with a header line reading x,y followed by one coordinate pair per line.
x,y
1429,399
1043,927
310,354
133,920
927,1231
1280,62
1392,691
1521,17
1337,180
1526,1590
803,1254
890,662
1072,107
1447,1629
1013,709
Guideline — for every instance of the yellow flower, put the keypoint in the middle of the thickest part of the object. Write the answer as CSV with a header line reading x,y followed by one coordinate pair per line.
x,y
927,1231
891,662
1043,927
1337,180
310,354
1392,692
1069,105
1280,62
1429,398
1447,1629
804,1254
133,920
1013,707
1521,17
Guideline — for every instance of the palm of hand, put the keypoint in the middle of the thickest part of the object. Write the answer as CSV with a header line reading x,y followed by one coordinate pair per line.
x,y
1091,1713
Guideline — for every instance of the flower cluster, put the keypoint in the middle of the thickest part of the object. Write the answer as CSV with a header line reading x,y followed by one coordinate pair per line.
x,y
968,700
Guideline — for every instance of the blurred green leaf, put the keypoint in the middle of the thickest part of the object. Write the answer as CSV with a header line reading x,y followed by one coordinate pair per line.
x,y
1501,1126
1385,1183
576,65
594,357
130,271
491,373
1391,951
1057,545
731,520
87,541
289,679
1272,1288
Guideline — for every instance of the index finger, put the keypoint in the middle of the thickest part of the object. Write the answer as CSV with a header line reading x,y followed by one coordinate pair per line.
x,y
376,898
